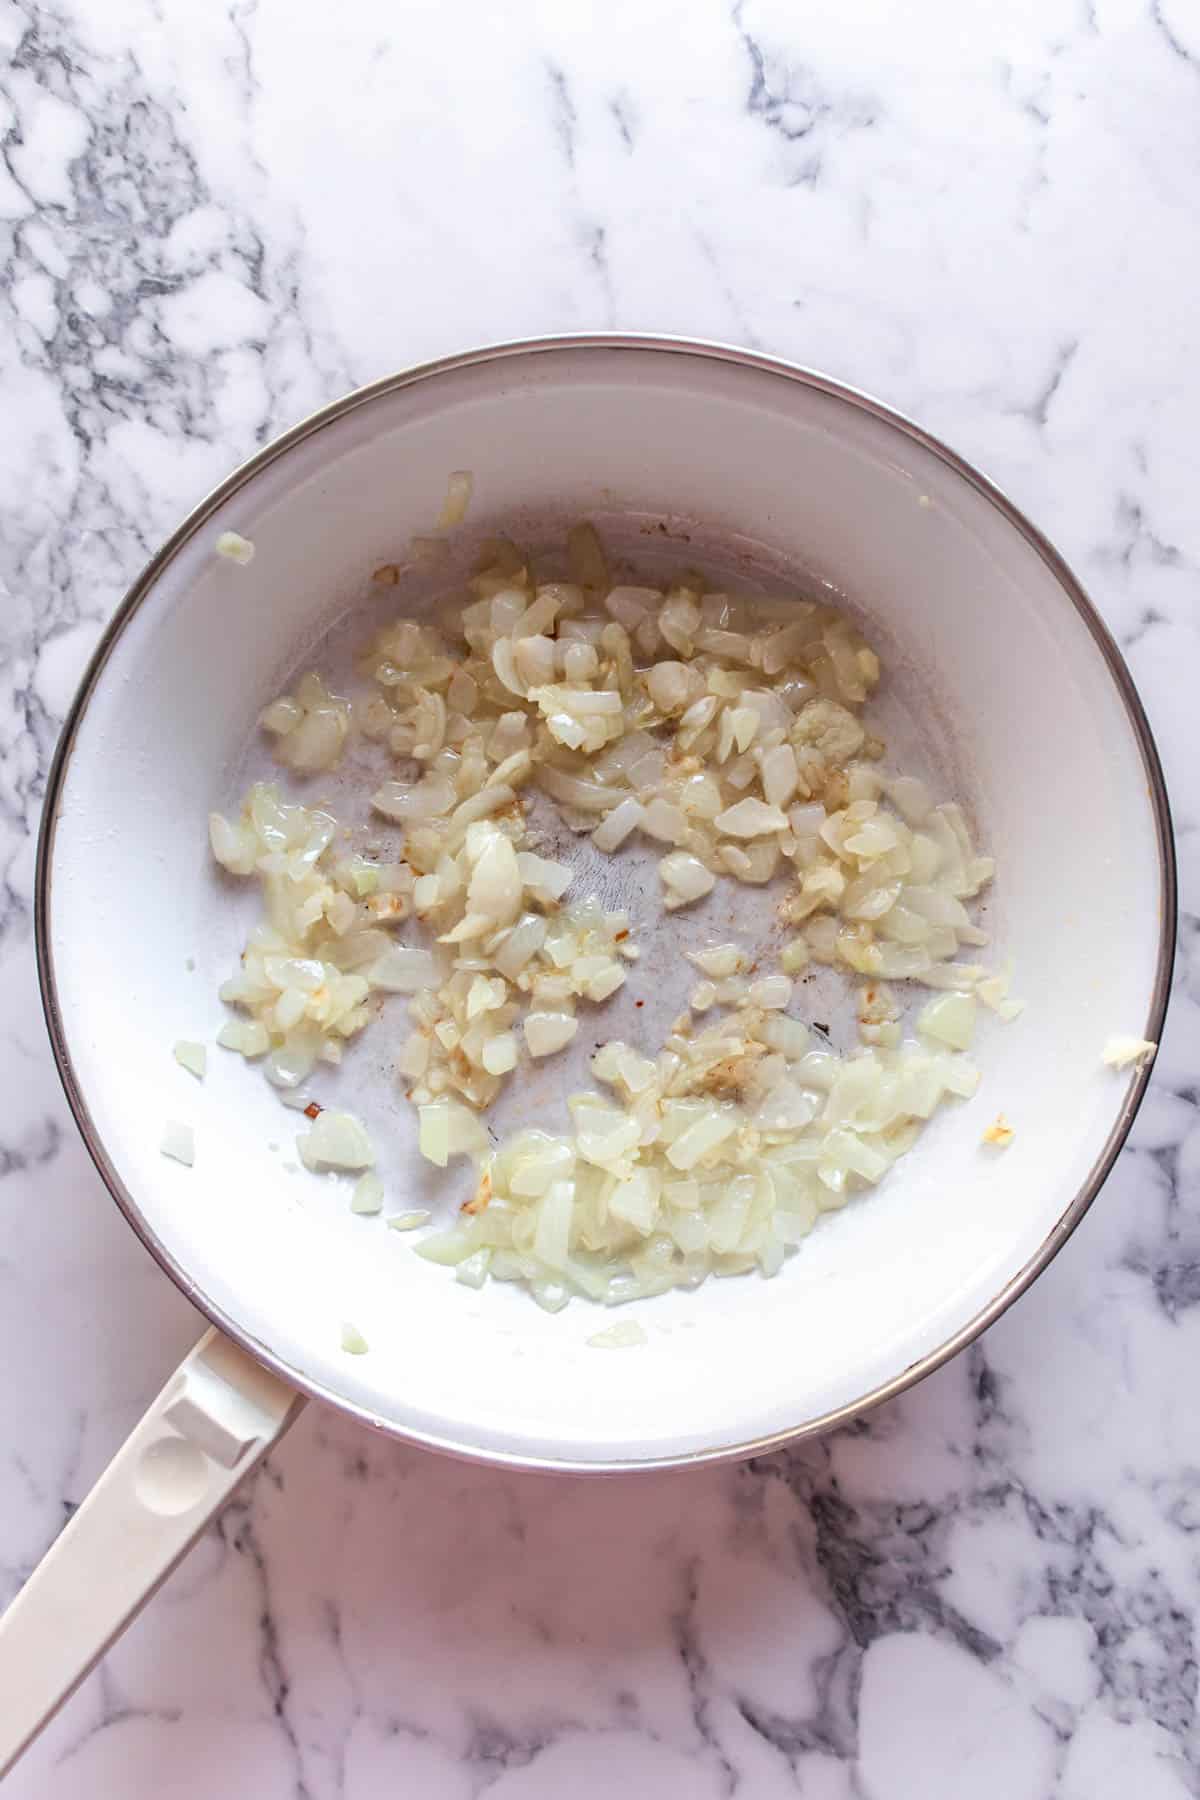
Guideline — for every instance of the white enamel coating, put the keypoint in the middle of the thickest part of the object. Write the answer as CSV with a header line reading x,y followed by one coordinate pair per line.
x,y
1015,703
212,1423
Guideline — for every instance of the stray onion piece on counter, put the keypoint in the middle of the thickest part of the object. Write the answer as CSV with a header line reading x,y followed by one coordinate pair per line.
x,y
725,730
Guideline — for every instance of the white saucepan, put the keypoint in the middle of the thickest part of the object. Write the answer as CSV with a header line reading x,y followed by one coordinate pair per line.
x,y
1000,677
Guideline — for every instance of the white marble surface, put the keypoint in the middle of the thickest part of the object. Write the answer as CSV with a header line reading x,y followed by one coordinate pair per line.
x,y
213,218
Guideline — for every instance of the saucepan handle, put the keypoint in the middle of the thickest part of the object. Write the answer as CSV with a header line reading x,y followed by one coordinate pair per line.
x,y
217,1416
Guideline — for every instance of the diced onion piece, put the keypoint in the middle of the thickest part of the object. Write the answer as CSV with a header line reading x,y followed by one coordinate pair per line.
x,y
999,1133
352,1340
700,1139
458,498
635,1200
960,1076
427,799
499,1054
447,1248
788,1036
405,970
786,1107
553,1233
750,818
248,1036
234,846
191,1056
472,1272
597,977
993,991
685,878
546,1032
537,1160
950,1020
1126,1052
520,945
572,790
547,879
664,821
179,1143
337,1140
411,1220
295,1101
368,1194
721,960
910,798
780,776
235,548
448,1128
616,826
282,716
672,686
495,889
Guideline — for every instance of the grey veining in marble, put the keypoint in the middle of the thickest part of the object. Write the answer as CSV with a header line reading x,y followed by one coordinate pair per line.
x,y
213,218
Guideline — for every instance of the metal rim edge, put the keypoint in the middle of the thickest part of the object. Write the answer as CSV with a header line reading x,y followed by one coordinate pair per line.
x,y
719,352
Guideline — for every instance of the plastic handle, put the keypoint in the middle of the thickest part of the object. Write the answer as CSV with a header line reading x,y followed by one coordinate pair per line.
x,y
217,1416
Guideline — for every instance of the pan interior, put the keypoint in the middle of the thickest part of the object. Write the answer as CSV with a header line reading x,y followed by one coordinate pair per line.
x,y
995,685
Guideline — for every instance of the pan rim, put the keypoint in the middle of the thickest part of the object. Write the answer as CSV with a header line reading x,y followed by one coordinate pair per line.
x,y
140,591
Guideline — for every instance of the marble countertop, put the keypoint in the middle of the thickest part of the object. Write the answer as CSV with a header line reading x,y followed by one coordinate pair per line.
x,y
214,218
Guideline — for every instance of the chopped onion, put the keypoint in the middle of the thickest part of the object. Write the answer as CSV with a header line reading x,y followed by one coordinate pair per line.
x,y
720,961
631,709
402,970
458,498
949,1020
235,548
337,1140
426,800
780,776
499,1054
235,847
179,1143
547,881
664,821
546,1032
447,1128
368,1194
249,1036
586,796
685,879
495,886
1126,1052
794,958
751,818
192,1057
616,826
519,945
701,1138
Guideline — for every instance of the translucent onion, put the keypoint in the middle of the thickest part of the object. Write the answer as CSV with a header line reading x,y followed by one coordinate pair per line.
x,y
337,1140
634,710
